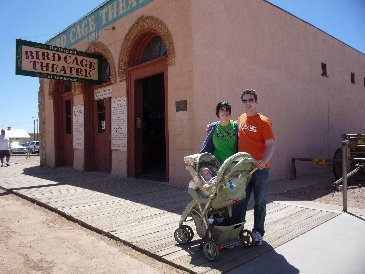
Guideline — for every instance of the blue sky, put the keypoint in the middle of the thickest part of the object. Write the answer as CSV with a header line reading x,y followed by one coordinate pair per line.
x,y
343,19
39,20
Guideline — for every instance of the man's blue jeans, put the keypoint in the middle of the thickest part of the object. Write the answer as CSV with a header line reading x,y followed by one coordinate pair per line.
x,y
257,185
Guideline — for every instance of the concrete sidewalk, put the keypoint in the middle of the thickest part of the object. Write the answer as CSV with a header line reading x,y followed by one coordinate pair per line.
x,y
337,246
302,236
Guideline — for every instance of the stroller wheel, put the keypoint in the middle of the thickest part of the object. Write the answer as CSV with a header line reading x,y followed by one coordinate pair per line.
x,y
182,235
210,250
246,238
191,232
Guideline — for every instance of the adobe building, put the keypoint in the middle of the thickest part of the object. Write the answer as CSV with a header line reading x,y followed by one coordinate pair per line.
x,y
165,66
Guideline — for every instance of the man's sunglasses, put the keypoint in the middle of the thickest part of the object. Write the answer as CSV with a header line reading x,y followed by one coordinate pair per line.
x,y
251,100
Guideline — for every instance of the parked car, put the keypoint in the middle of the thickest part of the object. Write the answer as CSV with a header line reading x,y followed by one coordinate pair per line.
x,y
34,146
15,147
26,144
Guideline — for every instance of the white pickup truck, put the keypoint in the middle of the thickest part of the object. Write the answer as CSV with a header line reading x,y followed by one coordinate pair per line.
x,y
34,146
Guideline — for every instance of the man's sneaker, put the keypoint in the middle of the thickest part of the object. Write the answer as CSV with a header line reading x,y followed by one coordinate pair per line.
x,y
257,238
7,164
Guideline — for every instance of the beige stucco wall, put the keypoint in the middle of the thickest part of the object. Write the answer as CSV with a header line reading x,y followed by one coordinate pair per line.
x,y
49,126
252,44
223,47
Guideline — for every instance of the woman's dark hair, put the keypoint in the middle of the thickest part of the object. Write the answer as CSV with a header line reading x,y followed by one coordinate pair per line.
x,y
223,104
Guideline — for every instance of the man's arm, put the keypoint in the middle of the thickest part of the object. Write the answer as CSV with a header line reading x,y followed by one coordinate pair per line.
x,y
269,151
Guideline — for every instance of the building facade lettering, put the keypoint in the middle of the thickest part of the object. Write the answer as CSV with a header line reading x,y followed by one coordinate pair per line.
x,y
90,25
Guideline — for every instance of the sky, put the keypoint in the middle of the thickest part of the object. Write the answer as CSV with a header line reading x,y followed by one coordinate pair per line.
x,y
40,20
36,21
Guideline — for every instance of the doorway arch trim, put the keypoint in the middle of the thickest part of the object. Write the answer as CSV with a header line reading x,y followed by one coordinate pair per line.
x,y
142,25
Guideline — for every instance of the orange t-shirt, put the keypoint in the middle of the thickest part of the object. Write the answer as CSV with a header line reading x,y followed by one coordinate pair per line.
x,y
253,131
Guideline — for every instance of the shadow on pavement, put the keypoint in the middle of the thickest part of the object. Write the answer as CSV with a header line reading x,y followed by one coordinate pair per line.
x,y
270,262
238,259
356,215
156,194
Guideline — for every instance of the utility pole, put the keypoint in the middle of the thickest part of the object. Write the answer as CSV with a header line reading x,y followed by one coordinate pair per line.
x,y
33,128
37,129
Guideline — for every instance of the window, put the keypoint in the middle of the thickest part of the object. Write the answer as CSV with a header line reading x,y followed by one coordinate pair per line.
x,y
353,77
153,50
324,69
68,116
67,86
100,108
105,70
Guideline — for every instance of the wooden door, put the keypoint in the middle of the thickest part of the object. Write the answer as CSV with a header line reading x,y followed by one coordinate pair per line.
x,y
102,134
97,132
63,107
67,137
138,120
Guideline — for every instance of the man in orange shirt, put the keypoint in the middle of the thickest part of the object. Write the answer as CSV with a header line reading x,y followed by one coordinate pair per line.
x,y
256,137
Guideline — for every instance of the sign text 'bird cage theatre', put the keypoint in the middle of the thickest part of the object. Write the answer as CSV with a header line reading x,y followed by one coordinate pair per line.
x,y
45,61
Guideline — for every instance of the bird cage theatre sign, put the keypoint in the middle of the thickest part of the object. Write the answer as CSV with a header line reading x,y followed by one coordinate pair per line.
x,y
52,62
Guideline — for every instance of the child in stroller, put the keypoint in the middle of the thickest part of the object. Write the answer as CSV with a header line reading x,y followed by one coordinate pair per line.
x,y
207,188
212,213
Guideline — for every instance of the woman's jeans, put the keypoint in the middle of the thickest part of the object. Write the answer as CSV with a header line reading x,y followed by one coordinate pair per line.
x,y
257,185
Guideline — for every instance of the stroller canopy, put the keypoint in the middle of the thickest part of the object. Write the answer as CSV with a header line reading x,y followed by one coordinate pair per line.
x,y
232,176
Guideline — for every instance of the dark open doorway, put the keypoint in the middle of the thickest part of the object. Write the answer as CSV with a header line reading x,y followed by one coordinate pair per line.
x,y
152,147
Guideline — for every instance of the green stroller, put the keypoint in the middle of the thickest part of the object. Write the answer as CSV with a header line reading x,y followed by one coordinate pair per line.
x,y
212,215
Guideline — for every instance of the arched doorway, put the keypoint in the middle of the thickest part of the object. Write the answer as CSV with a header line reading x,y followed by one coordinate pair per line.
x,y
147,99
63,104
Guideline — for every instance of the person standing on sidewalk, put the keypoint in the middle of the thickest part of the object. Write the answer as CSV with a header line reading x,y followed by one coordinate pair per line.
x,y
4,148
28,150
221,140
256,137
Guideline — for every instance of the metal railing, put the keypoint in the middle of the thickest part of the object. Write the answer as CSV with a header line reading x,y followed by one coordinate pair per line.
x,y
315,161
346,158
352,157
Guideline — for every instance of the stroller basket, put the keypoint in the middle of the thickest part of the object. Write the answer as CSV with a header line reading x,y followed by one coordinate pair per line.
x,y
226,234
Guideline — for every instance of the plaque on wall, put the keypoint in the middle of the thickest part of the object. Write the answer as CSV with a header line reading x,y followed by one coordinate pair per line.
x,y
78,127
181,105
119,123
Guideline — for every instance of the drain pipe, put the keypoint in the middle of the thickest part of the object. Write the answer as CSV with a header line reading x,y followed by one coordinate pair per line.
x,y
344,175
